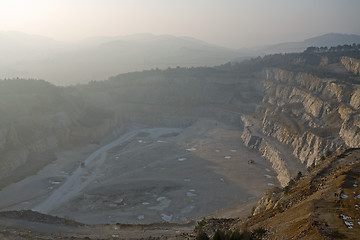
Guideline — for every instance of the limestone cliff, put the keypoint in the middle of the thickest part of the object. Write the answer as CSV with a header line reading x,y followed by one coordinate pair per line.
x,y
351,64
40,122
311,114
284,164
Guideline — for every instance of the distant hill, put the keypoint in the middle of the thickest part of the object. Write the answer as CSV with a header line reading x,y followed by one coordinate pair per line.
x,y
333,39
328,40
11,40
32,56
98,58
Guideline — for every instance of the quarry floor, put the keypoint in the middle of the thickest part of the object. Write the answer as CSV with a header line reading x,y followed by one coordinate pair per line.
x,y
149,176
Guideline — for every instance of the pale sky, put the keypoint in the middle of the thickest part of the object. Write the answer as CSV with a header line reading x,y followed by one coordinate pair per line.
x,y
230,23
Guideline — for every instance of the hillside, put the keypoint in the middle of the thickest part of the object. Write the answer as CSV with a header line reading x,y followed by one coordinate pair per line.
x,y
98,58
326,40
37,119
30,56
320,205
215,137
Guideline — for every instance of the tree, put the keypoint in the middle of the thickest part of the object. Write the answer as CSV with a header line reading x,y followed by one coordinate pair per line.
x,y
298,176
202,236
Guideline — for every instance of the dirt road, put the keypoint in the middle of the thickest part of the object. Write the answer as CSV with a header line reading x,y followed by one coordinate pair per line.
x,y
76,182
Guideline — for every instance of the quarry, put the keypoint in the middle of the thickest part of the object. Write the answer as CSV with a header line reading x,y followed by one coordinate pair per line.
x,y
159,150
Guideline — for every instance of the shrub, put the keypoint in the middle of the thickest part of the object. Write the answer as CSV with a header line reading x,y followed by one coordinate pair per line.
x,y
200,225
219,235
258,233
289,186
328,153
298,176
235,235
202,236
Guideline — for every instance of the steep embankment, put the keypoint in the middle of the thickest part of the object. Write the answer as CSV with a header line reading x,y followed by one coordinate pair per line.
x,y
175,97
351,64
308,114
37,119
322,205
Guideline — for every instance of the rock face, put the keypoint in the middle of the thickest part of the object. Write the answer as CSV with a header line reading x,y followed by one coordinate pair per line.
x,y
311,114
283,162
41,118
351,64
313,205
268,201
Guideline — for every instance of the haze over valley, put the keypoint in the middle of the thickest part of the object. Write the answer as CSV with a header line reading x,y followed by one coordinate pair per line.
x,y
97,58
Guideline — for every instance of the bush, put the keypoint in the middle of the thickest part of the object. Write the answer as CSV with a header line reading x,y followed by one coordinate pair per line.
x,y
258,233
298,176
236,235
200,225
202,236
219,235
328,153
289,186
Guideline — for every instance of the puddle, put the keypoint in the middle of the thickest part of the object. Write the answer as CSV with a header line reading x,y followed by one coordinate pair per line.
x,y
164,202
187,209
190,194
191,149
166,218
343,195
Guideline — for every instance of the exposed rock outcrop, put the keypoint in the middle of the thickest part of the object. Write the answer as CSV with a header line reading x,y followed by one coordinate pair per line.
x,y
278,155
351,64
268,201
311,114
40,119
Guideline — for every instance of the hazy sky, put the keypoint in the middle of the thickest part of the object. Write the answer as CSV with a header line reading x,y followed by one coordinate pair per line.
x,y
231,23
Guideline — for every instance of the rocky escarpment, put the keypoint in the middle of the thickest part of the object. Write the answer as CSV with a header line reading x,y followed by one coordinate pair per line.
x,y
317,206
313,115
174,97
45,135
351,64
41,118
280,157
304,115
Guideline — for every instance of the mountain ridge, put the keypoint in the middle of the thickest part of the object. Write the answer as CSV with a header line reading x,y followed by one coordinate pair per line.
x,y
33,56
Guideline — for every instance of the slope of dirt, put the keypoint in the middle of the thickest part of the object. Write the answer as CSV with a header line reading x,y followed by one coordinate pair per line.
x,y
33,225
323,205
